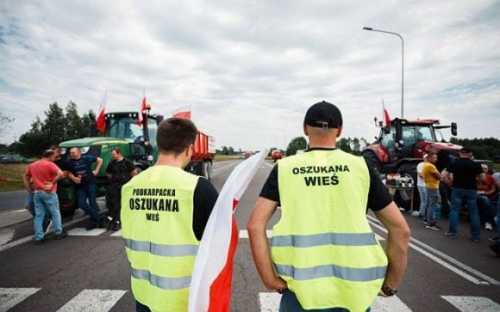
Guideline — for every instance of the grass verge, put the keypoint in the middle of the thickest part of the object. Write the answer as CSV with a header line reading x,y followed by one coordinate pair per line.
x,y
11,177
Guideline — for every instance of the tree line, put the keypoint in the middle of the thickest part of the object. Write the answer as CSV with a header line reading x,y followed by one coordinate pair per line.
x,y
485,148
349,145
58,125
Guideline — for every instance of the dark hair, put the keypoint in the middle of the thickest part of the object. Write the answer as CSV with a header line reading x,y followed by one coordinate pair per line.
x,y
175,135
117,150
465,150
48,153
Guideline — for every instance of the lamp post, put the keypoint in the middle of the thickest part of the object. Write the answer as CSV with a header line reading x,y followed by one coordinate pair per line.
x,y
402,62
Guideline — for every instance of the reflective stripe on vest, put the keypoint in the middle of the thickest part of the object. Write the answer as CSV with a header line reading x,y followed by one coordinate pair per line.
x,y
347,239
167,283
162,249
323,246
350,274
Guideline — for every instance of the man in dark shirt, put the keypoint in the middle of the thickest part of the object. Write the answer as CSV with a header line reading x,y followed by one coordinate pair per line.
x,y
119,171
464,172
81,173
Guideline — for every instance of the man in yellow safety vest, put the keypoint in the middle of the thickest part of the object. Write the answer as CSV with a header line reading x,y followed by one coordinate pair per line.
x,y
164,213
324,256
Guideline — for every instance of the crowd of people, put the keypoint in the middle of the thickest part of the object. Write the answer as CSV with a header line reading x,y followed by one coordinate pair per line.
x,y
42,177
463,183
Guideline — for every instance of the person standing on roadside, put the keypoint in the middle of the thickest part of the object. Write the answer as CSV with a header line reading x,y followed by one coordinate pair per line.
x,y
431,179
119,171
81,173
421,189
464,172
324,256
487,198
165,211
41,179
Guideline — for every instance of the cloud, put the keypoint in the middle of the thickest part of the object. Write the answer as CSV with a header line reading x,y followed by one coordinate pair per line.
x,y
249,70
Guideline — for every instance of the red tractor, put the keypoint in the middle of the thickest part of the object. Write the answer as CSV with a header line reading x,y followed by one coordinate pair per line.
x,y
401,145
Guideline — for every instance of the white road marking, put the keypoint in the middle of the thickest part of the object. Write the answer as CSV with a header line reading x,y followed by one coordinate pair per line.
x,y
458,267
117,234
6,235
95,300
472,304
244,233
30,237
9,297
269,302
389,304
83,232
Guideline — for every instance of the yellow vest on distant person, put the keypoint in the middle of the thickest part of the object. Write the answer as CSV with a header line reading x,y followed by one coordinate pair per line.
x,y
157,225
323,246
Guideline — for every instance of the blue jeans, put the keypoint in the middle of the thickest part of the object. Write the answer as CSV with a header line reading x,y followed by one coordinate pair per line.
x,y
289,303
86,195
46,203
486,209
433,201
423,200
458,198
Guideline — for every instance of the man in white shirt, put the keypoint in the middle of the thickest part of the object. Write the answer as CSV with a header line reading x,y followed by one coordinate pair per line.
x,y
421,189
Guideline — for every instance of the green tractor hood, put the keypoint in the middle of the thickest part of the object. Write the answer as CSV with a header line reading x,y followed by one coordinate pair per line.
x,y
83,142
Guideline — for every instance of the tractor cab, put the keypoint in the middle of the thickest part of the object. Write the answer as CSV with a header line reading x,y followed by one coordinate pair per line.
x,y
406,141
140,136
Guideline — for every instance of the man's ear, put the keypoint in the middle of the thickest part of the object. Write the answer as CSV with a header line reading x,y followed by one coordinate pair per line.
x,y
339,131
305,130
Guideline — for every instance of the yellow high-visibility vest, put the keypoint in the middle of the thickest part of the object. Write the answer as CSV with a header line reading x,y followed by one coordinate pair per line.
x,y
323,246
157,225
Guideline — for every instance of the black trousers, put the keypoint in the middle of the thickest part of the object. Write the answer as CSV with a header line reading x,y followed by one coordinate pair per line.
x,y
113,199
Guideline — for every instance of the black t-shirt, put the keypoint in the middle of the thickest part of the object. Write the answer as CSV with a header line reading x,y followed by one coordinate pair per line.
x,y
205,196
120,171
464,172
378,196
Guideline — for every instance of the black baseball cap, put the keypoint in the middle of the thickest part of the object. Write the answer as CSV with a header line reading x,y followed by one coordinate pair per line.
x,y
323,115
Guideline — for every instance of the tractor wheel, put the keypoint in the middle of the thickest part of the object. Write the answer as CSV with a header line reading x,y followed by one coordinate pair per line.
x,y
372,161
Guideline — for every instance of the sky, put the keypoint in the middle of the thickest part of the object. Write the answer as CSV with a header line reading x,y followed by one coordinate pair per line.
x,y
249,70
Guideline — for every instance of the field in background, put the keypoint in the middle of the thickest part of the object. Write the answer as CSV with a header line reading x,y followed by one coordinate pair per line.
x,y
226,157
11,177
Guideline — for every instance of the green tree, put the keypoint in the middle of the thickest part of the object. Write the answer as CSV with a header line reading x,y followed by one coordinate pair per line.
x,y
55,124
356,146
345,145
33,142
88,125
74,123
298,143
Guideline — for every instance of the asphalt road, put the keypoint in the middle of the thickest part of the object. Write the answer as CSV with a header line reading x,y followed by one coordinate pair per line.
x,y
12,200
90,273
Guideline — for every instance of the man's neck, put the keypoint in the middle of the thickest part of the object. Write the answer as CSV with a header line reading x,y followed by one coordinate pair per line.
x,y
315,142
169,160
120,158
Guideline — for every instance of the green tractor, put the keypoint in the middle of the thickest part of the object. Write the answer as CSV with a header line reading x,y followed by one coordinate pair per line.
x,y
137,143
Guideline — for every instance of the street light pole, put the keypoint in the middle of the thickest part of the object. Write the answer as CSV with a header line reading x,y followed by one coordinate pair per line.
x,y
402,62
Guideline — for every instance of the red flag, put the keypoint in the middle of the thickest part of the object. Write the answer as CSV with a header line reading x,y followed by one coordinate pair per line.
x,y
142,109
184,113
387,118
100,121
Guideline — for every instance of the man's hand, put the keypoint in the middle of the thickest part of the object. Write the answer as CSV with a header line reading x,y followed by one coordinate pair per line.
x,y
95,173
277,284
264,209
47,187
397,243
76,180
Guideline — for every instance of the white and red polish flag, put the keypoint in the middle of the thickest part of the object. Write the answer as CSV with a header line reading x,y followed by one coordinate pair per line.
x,y
387,118
183,113
210,289
143,108
100,121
